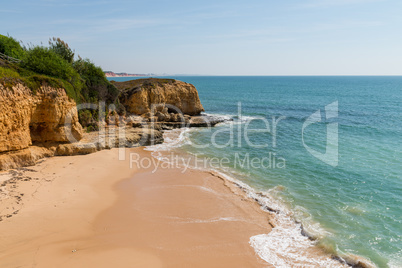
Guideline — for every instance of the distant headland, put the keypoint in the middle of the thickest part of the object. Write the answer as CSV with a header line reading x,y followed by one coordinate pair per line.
x,y
113,74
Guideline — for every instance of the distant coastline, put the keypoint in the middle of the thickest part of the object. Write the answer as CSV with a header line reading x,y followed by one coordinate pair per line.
x,y
113,74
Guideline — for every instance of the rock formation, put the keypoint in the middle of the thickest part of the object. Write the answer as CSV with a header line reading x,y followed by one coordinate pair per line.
x,y
37,125
34,125
170,96
26,117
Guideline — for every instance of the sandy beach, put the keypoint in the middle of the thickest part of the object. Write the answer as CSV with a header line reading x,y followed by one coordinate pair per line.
x,y
95,211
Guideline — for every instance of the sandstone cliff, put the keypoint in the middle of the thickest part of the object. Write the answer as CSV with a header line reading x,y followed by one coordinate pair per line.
x,y
26,117
139,95
34,126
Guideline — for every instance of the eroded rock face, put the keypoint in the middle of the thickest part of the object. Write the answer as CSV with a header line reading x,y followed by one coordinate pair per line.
x,y
24,157
15,115
26,117
91,142
138,96
54,116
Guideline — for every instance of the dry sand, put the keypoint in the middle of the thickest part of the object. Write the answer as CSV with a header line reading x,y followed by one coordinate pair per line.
x,y
94,211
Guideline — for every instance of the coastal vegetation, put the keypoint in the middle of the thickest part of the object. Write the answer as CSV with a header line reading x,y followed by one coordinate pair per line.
x,y
57,66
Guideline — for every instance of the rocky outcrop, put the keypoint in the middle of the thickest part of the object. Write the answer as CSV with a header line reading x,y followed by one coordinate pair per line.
x,y
54,117
24,157
41,117
109,137
139,96
34,125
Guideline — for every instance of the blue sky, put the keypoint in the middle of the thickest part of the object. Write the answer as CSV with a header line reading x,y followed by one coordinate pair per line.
x,y
311,37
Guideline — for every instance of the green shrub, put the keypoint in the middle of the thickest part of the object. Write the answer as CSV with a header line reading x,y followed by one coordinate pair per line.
x,y
11,47
71,91
97,87
45,61
85,117
88,120
62,49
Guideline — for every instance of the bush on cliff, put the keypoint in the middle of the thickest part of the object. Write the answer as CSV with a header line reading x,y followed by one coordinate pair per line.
x,y
42,60
62,49
97,87
45,61
55,66
11,47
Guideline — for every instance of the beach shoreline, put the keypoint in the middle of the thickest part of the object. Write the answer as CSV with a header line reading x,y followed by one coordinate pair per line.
x,y
97,211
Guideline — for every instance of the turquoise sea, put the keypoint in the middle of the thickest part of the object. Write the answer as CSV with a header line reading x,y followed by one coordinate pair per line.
x,y
351,197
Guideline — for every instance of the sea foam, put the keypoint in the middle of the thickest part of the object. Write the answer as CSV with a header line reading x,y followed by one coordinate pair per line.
x,y
289,243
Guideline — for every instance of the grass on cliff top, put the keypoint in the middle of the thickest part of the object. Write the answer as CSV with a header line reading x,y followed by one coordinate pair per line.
x,y
9,77
7,72
143,82
13,73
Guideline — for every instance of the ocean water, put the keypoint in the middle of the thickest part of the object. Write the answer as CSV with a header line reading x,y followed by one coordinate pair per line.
x,y
327,155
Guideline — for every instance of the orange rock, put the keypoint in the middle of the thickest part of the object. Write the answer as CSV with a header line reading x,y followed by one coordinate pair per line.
x,y
26,117
142,95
